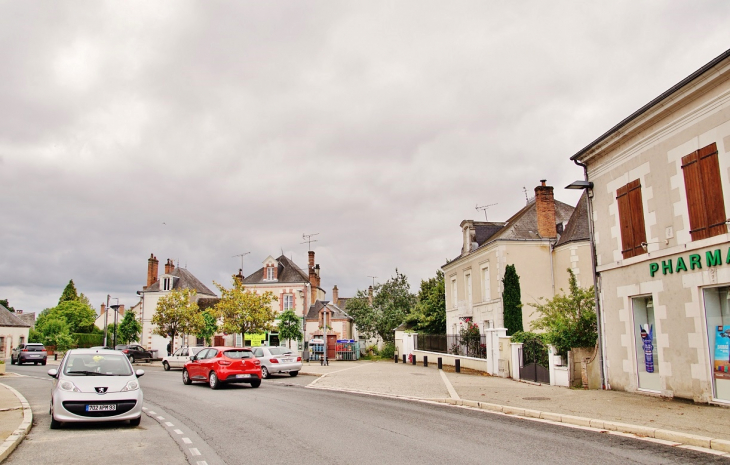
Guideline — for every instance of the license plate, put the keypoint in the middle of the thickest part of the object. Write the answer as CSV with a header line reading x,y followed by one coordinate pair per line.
x,y
287,360
243,376
34,355
101,408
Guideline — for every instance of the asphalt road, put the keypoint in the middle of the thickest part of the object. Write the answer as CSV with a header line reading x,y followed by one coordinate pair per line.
x,y
283,422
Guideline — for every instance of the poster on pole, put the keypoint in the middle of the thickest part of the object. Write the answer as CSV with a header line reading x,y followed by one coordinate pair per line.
x,y
722,352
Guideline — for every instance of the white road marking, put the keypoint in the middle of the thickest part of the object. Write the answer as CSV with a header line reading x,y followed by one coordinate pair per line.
x,y
194,451
169,424
449,387
201,463
160,418
187,440
152,413
177,431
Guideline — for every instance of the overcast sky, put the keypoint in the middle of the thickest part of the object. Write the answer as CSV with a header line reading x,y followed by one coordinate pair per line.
x,y
201,130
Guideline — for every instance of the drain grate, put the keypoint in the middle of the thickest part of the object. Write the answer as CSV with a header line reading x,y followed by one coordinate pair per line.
x,y
536,398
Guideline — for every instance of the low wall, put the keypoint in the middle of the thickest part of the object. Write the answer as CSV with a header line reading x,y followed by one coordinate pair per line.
x,y
479,364
592,376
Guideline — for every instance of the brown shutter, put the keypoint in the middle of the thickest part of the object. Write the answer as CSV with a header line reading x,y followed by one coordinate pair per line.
x,y
693,189
712,187
637,216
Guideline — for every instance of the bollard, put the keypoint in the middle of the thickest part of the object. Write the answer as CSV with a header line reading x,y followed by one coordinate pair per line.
x,y
55,356
404,358
396,358
414,359
425,361
441,365
457,365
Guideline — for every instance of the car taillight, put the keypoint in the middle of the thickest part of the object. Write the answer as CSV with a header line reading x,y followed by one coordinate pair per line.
x,y
24,350
299,359
225,363
273,360
256,361
126,351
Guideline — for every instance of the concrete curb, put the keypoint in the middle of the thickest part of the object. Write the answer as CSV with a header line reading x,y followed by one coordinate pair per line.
x,y
720,445
19,434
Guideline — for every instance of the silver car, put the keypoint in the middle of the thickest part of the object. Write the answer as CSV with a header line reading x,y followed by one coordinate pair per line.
x,y
180,357
95,385
277,360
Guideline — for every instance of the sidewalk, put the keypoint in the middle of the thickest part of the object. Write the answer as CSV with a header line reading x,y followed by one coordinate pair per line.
x,y
16,419
676,421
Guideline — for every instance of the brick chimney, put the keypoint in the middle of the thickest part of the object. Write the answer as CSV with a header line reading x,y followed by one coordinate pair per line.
x,y
121,310
169,266
152,264
335,294
313,276
103,310
370,295
239,277
545,205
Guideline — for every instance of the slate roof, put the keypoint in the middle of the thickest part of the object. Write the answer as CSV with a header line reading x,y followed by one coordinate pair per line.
x,y
287,272
337,312
8,318
185,280
27,318
577,227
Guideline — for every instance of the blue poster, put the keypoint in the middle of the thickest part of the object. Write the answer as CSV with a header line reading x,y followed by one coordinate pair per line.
x,y
647,333
722,352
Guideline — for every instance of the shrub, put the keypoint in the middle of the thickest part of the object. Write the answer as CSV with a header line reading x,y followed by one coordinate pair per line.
x,y
388,350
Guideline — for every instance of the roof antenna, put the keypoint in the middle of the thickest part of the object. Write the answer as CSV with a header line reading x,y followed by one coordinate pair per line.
x,y
308,239
373,279
485,207
527,199
241,255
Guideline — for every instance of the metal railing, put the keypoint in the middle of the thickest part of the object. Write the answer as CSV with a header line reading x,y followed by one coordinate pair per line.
x,y
453,344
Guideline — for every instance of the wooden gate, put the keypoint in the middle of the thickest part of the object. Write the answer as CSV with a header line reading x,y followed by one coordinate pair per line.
x,y
534,362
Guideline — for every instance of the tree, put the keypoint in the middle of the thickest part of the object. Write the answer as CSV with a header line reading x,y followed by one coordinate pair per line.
x,y
78,317
392,303
244,311
209,328
290,326
55,332
129,328
4,303
69,293
569,320
429,314
512,300
177,313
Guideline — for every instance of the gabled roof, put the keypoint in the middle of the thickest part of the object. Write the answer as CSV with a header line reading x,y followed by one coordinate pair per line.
x,y
337,312
185,280
287,272
577,227
8,318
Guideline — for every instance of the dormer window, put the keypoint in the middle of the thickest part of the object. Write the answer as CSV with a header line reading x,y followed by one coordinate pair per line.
x,y
270,273
167,283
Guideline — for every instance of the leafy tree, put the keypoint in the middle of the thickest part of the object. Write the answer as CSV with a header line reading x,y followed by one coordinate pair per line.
x,y
177,313
392,303
55,332
85,300
35,336
129,328
244,311
569,320
4,303
69,293
290,326
209,328
78,317
512,300
429,314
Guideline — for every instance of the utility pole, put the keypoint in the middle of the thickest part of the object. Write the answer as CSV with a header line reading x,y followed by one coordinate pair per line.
x,y
106,315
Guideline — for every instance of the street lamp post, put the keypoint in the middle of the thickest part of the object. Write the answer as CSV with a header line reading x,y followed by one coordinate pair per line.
x,y
116,313
324,361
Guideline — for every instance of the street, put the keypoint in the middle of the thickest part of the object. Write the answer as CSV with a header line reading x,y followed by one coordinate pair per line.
x,y
283,422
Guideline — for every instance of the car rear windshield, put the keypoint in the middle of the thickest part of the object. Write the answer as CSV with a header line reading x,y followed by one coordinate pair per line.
x,y
279,350
238,354
35,347
97,365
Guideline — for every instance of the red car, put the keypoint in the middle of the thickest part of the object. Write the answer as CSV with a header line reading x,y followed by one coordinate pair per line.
x,y
218,365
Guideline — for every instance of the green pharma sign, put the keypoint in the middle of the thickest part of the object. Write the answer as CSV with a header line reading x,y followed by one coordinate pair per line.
x,y
693,262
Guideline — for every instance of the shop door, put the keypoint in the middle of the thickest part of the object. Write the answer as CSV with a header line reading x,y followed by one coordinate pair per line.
x,y
218,341
645,335
717,312
331,346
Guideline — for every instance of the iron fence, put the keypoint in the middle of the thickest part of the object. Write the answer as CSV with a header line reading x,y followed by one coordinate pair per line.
x,y
453,344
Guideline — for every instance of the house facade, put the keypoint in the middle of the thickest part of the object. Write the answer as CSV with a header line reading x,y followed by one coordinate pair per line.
x,y
661,197
542,241
174,278
13,332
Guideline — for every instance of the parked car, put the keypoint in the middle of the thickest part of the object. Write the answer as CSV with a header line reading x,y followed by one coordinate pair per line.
x,y
95,385
180,357
219,365
31,352
277,360
134,352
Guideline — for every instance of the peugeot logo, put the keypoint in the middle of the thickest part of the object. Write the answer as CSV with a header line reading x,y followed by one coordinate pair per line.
x,y
101,390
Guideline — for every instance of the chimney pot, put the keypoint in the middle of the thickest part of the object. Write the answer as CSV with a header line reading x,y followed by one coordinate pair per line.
x,y
335,294
545,209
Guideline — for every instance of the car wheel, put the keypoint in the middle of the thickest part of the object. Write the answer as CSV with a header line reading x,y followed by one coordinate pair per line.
x,y
166,366
35,363
12,360
43,362
54,424
131,358
213,380
265,373
19,362
186,377
255,384
293,373
135,421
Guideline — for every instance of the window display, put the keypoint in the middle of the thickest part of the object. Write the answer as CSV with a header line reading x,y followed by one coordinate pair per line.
x,y
645,340
717,311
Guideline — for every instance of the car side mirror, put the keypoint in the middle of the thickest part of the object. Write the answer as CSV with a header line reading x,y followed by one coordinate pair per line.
x,y
52,372
139,373
193,358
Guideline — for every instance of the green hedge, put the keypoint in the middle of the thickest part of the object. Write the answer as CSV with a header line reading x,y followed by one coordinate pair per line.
x,y
84,340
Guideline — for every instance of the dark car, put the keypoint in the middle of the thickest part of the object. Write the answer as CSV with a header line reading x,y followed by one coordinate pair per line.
x,y
31,352
135,352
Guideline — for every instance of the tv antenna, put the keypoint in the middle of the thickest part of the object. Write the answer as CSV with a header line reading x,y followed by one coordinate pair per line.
x,y
527,199
241,255
485,207
373,279
308,239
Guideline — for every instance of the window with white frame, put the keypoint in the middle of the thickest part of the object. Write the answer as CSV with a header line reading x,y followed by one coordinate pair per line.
x,y
288,301
166,284
486,284
270,273
454,299
467,283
